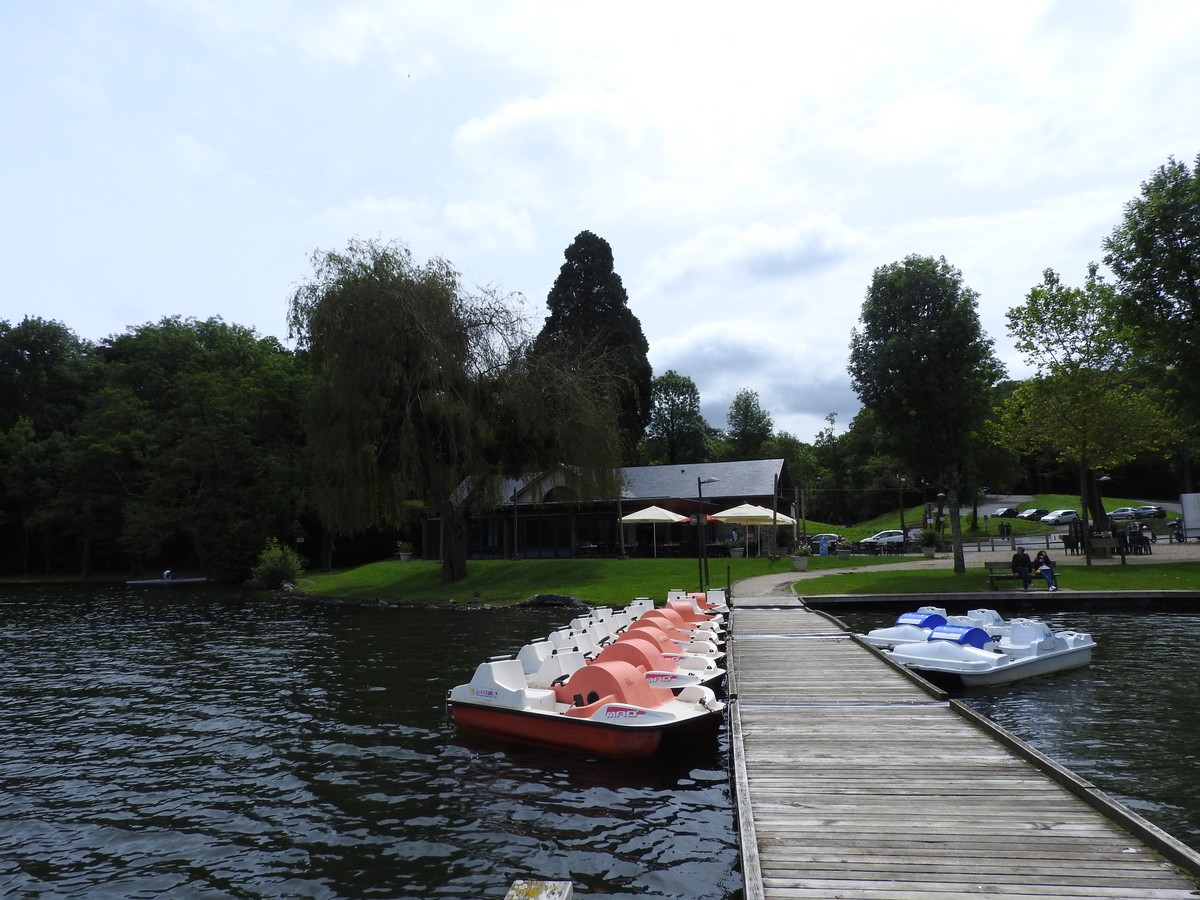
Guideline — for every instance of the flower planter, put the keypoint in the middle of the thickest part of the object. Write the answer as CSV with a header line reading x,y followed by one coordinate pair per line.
x,y
404,557
737,552
929,552
843,554
800,563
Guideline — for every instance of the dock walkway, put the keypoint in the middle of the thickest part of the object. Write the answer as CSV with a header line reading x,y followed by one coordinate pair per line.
x,y
855,780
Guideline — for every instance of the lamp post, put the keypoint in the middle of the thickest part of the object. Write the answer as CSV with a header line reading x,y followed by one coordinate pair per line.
x,y
939,524
1102,479
701,548
900,500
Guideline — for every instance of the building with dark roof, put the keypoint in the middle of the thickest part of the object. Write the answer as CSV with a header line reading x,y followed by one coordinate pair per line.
x,y
534,522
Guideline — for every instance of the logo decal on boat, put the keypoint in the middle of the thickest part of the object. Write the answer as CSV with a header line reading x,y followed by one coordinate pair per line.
x,y
623,712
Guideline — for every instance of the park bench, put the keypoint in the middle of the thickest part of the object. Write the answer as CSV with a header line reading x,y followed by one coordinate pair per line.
x,y
1002,571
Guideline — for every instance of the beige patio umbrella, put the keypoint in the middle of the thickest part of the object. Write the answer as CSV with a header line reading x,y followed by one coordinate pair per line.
x,y
653,515
750,514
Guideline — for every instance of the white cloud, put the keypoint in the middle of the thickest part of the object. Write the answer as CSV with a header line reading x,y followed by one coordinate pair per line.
x,y
750,166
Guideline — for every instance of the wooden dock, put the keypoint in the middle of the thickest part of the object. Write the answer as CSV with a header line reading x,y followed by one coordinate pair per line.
x,y
855,780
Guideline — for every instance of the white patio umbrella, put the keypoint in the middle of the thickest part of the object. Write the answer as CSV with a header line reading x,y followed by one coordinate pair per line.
x,y
750,514
653,515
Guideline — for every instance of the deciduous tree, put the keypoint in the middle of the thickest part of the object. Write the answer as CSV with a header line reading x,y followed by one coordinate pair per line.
x,y
749,427
427,393
1084,406
922,363
1155,255
677,431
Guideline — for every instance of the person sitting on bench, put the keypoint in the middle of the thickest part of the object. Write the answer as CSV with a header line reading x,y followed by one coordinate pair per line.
x,y
1021,565
1044,566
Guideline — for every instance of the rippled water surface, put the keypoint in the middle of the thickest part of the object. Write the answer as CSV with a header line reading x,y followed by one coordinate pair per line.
x,y
1128,723
193,744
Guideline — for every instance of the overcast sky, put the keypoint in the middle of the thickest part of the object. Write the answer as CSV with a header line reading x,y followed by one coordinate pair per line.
x,y
751,164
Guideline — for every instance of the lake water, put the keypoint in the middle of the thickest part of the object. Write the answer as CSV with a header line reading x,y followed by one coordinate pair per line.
x,y
191,744
187,743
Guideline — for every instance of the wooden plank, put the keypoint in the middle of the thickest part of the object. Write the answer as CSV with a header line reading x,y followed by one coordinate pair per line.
x,y
854,781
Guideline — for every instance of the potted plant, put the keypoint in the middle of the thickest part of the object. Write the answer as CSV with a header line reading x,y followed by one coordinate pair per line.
x,y
800,557
736,547
929,542
404,550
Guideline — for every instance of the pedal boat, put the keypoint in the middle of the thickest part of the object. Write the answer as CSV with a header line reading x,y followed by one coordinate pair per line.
x,y
966,656
915,627
606,708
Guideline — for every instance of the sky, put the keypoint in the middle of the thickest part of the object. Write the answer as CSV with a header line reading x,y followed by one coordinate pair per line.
x,y
750,164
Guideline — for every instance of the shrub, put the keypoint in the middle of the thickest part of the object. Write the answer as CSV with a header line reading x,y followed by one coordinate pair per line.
x,y
277,564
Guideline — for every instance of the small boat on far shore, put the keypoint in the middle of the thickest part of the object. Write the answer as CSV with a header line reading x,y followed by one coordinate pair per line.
x,y
167,580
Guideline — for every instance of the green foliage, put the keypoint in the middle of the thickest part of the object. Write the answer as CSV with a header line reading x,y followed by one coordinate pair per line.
x,y
677,432
749,427
276,564
196,436
1155,255
1083,407
589,313
924,367
427,393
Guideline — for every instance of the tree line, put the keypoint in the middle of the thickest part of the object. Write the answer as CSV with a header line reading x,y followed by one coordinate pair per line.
x,y
410,394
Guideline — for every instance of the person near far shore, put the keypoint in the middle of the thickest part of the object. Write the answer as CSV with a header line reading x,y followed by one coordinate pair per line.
x,y
1044,566
1022,565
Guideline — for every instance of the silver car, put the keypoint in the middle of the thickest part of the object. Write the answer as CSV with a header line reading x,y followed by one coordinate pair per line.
x,y
1060,517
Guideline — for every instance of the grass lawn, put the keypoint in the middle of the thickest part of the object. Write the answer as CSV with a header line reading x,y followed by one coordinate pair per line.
x,y
1102,576
617,581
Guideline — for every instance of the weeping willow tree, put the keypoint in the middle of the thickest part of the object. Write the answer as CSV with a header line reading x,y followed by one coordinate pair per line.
x,y
425,392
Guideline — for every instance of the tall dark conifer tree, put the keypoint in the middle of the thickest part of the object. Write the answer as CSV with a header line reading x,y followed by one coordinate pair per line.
x,y
589,313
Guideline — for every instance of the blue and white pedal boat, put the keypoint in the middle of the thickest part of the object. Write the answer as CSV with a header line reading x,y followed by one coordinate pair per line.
x,y
916,626
967,656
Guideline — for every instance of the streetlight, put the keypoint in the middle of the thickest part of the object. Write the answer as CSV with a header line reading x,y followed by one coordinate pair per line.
x,y
938,524
900,500
1102,479
701,549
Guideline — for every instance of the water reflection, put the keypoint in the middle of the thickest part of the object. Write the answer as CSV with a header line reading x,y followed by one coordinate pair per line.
x,y
222,745
1125,723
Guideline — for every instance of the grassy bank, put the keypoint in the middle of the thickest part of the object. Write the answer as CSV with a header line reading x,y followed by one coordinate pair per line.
x,y
503,582
1102,576
616,581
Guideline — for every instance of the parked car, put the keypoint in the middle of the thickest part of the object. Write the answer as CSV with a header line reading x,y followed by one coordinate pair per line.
x,y
1152,512
1034,514
832,540
891,536
1005,512
1125,512
1060,517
